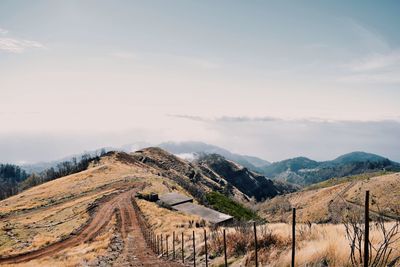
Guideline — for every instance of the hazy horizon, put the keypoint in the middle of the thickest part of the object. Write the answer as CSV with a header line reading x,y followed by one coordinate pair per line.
x,y
270,79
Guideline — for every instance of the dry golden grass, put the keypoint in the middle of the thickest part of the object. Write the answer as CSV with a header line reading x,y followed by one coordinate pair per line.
x,y
84,254
49,212
52,211
325,243
313,205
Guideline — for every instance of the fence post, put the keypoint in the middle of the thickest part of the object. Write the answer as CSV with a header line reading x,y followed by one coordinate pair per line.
x,y
151,240
158,245
225,257
173,245
366,230
183,253
166,244
205,247
162,247
255,243
154,242
194,250
293,236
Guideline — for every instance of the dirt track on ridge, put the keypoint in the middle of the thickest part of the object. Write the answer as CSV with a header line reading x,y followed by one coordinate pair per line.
x,y
134,253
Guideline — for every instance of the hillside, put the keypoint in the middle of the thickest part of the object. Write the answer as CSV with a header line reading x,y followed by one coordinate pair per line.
x,y
326,202
87,218
304,171
40,218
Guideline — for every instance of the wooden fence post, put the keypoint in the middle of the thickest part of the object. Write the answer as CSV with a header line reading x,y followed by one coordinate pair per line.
x,y
183,251
173,245
194,250
366,230
255,243
293,236
205,247
225,257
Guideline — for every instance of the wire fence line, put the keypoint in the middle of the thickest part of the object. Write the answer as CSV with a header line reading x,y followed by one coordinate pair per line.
x,y
168,250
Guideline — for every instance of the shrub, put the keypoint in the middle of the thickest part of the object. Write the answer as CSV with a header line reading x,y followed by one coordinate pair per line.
x,y
226,205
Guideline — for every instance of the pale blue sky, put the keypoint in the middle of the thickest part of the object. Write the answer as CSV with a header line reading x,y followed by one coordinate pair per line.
x,y
123,71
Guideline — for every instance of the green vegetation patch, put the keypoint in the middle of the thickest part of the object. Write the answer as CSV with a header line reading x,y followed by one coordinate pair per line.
x,y
226,205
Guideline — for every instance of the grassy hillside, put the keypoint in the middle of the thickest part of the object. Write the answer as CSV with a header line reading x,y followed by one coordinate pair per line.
x,y
346,179
43,216
323,202
56,210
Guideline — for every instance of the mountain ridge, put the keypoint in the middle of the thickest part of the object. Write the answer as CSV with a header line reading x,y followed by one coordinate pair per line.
x,y
304,171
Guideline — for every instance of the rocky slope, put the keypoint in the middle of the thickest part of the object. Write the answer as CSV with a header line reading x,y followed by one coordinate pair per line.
x,y
250,183
213,172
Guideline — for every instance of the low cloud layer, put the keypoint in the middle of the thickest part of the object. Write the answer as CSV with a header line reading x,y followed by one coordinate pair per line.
x,y
270,138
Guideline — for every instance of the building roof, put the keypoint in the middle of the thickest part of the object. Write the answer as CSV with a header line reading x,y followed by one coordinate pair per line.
x,y
203,212
172,199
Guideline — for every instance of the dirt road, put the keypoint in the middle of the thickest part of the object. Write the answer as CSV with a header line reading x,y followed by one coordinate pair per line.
x,y
134,253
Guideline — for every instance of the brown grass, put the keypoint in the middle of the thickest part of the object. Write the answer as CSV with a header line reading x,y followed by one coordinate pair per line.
x,y
84,254
313,205
320,244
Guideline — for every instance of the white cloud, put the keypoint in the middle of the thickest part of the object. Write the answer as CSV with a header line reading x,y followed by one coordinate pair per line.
x,y
374,68
376,61
13,45
3,31
379,64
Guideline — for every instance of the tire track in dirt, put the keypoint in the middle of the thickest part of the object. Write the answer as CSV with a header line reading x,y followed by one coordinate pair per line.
x,y
135,251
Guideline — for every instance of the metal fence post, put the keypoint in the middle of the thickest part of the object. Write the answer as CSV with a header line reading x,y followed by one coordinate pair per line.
x,y
166,245
225,257
173,245
158,244
205,247
194,250
293,236
183,251
154,242
255,243
162,246
366,230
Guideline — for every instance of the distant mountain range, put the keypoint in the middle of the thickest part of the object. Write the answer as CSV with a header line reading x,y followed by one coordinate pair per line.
x,y
300,170
304,171
197,148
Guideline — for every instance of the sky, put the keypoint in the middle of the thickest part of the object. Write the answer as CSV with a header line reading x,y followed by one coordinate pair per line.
x,y
274,79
